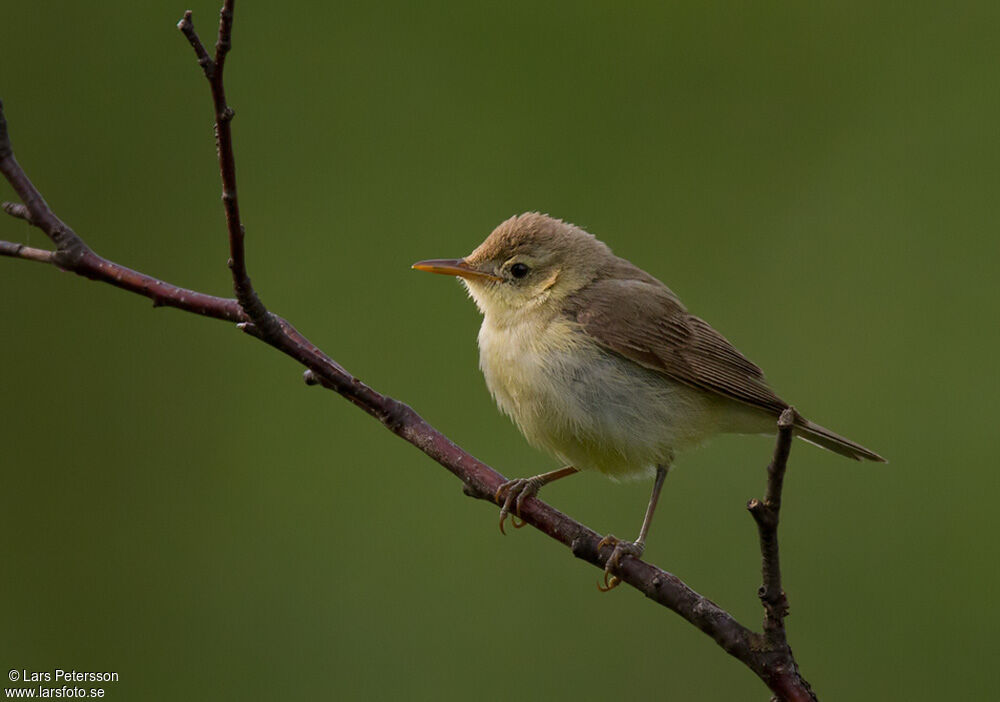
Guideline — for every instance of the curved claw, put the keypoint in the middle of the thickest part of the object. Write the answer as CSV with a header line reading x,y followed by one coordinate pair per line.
x,y
517,491
504,506
609,584
621,548
609,540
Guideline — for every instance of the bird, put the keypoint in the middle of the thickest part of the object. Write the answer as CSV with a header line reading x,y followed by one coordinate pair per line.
x,y
599,363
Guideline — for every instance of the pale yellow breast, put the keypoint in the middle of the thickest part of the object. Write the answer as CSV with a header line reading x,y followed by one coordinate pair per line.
x,y
591,408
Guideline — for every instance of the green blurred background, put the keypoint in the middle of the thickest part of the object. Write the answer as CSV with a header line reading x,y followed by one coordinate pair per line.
x,y
819,181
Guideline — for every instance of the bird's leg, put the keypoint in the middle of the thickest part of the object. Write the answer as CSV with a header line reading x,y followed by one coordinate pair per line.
x,y
515,492
630,548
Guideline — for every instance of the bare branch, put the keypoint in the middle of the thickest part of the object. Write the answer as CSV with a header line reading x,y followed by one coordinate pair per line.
x,y
768,655
73,254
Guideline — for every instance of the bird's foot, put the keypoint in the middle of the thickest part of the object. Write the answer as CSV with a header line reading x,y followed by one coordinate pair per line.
x,y
513,493
621,548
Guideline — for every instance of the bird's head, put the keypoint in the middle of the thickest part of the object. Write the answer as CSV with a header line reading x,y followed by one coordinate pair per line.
x,y
531,261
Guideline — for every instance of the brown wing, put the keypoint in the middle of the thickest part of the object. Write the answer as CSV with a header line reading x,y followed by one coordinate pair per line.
x,y
644,321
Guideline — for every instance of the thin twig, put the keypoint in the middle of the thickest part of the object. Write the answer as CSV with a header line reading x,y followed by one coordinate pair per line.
x,y
69,245
186,25
16,209
267,327
13,250
772,663
771,593
766,514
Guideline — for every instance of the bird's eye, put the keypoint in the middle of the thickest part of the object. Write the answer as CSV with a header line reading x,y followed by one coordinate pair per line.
x,y
519,270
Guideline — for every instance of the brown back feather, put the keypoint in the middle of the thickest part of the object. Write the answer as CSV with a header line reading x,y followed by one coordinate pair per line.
x,y
637,316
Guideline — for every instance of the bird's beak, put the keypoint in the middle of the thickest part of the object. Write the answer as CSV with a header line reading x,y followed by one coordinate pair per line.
x,y
453,266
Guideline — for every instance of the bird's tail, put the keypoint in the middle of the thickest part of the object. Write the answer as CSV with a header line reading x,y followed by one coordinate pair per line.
x,y
823,437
